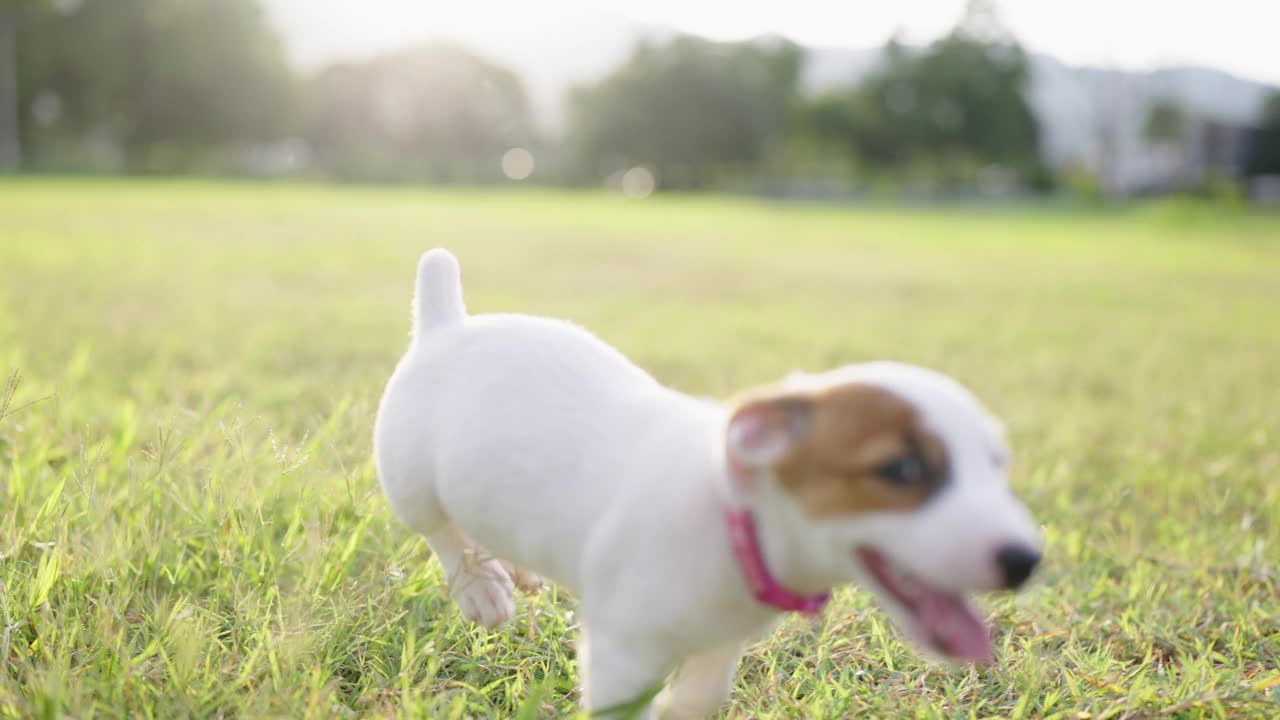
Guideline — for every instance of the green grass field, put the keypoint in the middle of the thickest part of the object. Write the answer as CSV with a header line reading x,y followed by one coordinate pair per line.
x,y
190,525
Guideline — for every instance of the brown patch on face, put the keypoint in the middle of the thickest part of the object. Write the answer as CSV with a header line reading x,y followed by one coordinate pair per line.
x,y
852,433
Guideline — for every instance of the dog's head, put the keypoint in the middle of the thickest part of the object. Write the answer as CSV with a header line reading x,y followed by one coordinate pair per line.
x,y
894,477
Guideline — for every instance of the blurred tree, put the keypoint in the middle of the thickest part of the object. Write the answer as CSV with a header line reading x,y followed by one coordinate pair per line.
x,y
1264,151
155,79
1164,123
434,113
10,148
1164,127
955,112
691,110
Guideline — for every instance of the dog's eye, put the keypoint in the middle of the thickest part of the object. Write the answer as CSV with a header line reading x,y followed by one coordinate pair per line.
x,y
904,471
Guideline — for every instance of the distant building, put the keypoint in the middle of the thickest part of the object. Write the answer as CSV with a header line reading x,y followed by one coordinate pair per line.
x,y
1265,190
1209,150
1215,150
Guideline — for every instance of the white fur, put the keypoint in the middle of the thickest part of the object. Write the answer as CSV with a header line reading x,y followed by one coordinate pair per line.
x,y
541,444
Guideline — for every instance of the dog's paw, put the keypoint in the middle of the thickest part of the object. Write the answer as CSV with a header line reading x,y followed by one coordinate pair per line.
x,y
485,594
526,581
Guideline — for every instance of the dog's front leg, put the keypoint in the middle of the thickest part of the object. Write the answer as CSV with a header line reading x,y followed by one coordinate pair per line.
x,y
701,685
620,677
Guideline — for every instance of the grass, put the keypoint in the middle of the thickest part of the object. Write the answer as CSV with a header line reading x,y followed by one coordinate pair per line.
x,y
191,527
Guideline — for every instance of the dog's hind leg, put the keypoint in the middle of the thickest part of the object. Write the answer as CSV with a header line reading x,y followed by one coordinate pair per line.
x,y
478,582
526,580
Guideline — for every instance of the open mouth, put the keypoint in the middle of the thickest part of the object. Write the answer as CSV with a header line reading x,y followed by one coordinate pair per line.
x,y
946,622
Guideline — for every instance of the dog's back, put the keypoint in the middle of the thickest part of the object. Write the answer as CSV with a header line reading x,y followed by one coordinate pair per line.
x,y
485,415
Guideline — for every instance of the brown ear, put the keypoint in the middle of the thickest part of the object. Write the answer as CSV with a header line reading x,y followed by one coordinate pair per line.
x,y
766,428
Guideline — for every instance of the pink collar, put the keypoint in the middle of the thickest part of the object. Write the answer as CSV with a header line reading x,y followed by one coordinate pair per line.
x,y
746,549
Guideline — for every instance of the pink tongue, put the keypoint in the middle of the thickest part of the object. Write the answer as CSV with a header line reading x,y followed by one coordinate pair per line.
x,y
955,626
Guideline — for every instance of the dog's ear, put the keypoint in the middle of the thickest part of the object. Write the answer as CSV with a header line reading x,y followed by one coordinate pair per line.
x,y
763,429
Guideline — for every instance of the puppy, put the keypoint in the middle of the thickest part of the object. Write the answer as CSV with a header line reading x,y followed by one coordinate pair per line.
x,y
524,447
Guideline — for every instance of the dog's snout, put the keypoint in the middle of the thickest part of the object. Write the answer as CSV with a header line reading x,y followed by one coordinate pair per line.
x,y
1017,562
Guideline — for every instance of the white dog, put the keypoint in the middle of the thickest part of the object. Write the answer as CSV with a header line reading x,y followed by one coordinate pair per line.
x,y
525,447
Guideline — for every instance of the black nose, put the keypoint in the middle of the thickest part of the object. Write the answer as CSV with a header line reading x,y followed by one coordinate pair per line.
x,y
1017,562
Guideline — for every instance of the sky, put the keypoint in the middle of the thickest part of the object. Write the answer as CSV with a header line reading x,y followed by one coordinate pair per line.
x,y
1238,36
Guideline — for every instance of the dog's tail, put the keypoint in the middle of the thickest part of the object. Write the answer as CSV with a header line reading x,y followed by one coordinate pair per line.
x,y
437,300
